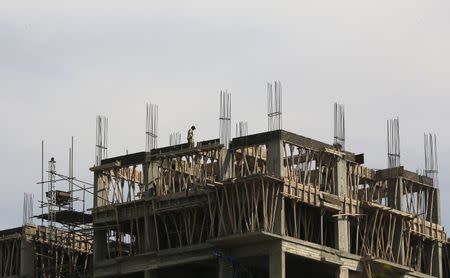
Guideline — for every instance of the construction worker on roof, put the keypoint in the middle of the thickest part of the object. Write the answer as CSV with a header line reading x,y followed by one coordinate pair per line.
x,y
190,136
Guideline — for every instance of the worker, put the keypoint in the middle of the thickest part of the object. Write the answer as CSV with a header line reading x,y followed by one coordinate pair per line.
x,y
190,136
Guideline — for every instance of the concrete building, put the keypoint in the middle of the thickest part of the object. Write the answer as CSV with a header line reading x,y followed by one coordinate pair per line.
x,y
274,204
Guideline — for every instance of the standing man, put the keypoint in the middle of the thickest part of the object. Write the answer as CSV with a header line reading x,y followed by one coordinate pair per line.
x,y
190,136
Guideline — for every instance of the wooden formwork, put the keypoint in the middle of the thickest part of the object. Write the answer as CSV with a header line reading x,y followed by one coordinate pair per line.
x,y
50,252
60,253
10,242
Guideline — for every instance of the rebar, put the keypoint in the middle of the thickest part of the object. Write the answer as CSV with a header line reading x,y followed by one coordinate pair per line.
x,y
101,146
151,127
71,174
225,118
274,106
27,217
393,142
241,129
431,157
175,138
339,125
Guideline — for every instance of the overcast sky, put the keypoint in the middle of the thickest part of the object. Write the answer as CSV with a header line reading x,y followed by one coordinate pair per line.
x,y
63,64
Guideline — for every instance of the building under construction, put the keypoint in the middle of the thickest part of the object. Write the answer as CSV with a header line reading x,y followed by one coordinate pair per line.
x,y
273,204
61,246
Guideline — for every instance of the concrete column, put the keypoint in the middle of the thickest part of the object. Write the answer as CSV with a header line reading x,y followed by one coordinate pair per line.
x,y
150,274
437,256
342,272
437,270
100,248
150,170
342,234
275,162
277,262
153,244
341,178
145,171
100,199
279,226
275,167
437,207
395,193
100,192
342,226
26,259
149,243
395,200
225,270
226,164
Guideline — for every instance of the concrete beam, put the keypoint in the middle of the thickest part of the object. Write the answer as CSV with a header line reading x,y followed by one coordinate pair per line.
x,y
320,253
151,261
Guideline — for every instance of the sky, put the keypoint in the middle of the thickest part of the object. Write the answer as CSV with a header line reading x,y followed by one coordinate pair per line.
x,y
61,64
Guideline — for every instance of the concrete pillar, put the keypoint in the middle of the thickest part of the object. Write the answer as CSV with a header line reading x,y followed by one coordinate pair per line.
x,y
395,193
342,272
151,173
341,178
26,259
275,167
437,255
226,164
100,190
225,270
437,270
145,171
100,248
342,234
150,274
275,162
277,262
437,207
100,199
395,200
153,244
342,227
279,225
